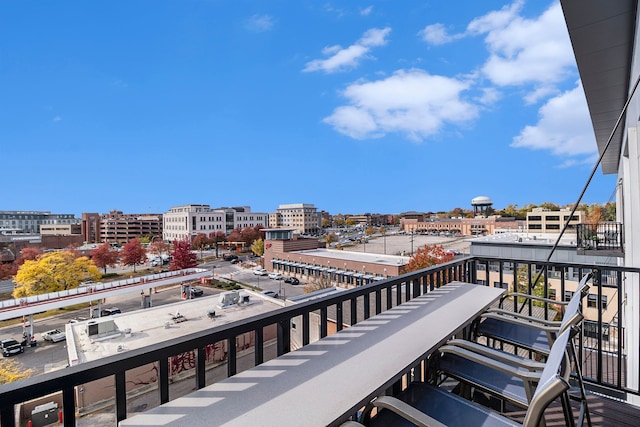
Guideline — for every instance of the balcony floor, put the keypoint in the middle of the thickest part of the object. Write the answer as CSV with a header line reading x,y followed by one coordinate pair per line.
x,y
604,412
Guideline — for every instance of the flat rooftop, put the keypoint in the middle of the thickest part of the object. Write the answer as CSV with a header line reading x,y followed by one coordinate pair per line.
x,y
356,256
156,324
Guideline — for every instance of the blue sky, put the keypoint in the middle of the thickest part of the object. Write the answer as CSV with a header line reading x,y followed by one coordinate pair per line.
x,y
354,106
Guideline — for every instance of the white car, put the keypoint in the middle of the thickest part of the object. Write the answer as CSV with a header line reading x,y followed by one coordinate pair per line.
x,y
260,272
272,294
275,276
54,335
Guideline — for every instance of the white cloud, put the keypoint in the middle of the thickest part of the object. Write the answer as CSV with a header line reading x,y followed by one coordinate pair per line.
x,y
259,23
437,34
366,11
564,127
489,96
410,102
56,119
524,51
348,58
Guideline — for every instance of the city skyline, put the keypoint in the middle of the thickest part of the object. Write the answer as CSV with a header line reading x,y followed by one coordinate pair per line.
x,y
361,107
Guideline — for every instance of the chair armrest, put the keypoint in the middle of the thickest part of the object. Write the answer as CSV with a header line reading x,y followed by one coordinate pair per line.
x,y
515,371
504,312
521,322
406,411
502,356
532,297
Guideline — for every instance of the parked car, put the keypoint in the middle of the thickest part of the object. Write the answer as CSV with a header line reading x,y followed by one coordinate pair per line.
x,y
196,292
77,320
54,335
275,276
292,280
11,347
230,257
272,294
235,261
260,272
110,311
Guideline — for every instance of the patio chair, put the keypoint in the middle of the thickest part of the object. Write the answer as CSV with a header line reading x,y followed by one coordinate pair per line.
x,y
528,332
425,404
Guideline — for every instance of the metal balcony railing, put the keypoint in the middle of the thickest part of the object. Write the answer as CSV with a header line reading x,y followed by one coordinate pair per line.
x,y
601,349
604,238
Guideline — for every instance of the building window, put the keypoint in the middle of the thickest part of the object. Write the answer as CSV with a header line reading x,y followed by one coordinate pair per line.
x,y
592,301
568,295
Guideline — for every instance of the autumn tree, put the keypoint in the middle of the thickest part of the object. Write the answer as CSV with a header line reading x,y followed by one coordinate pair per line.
x,y
325,222
369,231
133,253
11,371
52,272
216,238
181,256
427,256
200,241
317,284
6,270
235,235
250,235
104,256
158,248
26,254
330,238
258,247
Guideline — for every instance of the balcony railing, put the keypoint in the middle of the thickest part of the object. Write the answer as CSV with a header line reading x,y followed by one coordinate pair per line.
x,y
601,347
604,239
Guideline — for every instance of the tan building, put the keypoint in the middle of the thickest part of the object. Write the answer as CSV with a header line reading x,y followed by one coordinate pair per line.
x,y
541,220
466,226
59,229
303,217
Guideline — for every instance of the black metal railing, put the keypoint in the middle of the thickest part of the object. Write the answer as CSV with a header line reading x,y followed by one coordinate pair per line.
x,y
601,348
599,238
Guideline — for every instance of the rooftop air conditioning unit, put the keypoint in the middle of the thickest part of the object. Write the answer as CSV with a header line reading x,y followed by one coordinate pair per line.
x,y
229,298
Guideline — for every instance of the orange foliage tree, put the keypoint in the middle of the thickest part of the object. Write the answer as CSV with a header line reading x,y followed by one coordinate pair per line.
x,y
427,256
104,256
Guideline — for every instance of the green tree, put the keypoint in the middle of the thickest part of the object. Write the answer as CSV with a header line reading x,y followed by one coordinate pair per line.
x,y
523,284
52,272
133,253
258,247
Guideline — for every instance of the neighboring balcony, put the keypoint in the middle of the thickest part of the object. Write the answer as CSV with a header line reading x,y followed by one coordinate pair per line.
x,y
601,239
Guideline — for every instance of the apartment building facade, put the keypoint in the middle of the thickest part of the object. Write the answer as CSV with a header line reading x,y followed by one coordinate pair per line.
x,y
187,221
304,218
25,222
542,220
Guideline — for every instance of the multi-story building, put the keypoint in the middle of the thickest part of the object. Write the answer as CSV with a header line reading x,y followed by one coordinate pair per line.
x,y
60,229
188,221
542,220
18,222
119,227
303,217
